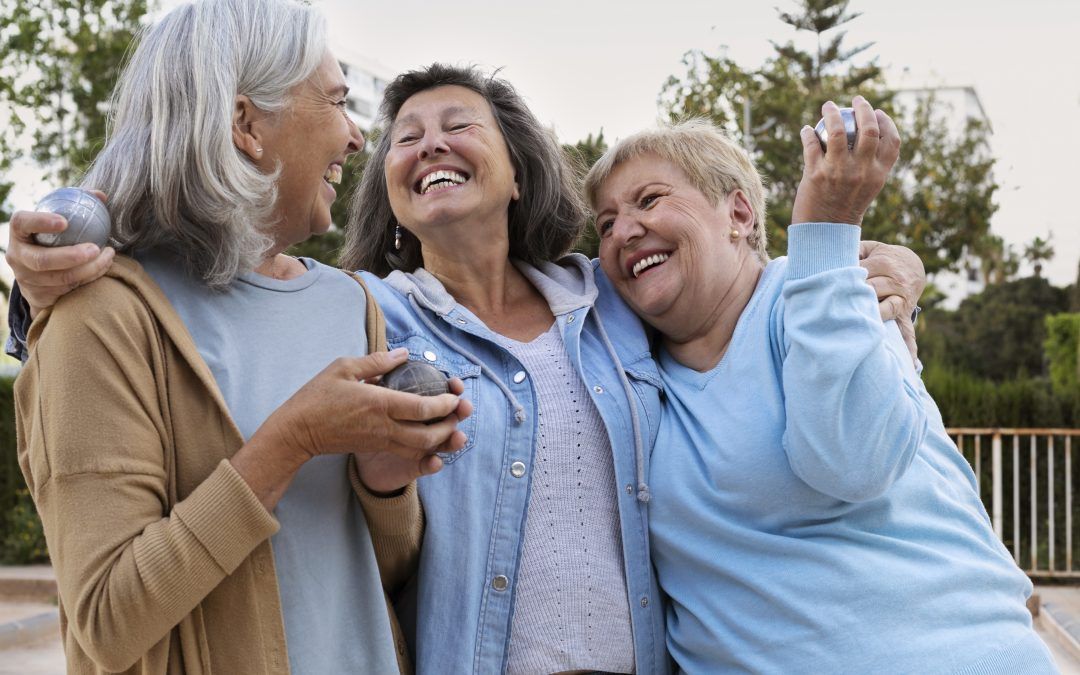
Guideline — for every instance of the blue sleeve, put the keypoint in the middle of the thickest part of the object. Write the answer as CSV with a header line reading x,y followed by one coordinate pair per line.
x,y
18,324
854,416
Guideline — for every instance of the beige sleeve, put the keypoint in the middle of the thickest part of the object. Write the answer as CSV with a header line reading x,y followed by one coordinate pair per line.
x,y
397,530
93,444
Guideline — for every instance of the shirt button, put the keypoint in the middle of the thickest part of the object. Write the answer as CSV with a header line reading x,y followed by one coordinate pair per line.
x,y
462,322
517,469
500,583
598,389
644,602
431,356
570,319
629,489
519,377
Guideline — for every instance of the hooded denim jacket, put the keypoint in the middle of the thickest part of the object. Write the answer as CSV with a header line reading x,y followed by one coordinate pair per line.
x,y
458,609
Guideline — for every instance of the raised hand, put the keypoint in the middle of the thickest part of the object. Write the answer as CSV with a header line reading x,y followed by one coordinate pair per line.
x,y
44,274
838,186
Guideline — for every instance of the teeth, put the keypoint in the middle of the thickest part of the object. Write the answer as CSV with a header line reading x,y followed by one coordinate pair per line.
x,y
438,180
645,263
333,174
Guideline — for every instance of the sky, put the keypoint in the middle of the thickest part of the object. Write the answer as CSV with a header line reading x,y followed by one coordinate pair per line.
x,y
585,65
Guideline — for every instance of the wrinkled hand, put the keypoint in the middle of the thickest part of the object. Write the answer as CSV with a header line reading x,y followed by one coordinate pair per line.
x,y
340,410
838,186
898,277
44,274
384,473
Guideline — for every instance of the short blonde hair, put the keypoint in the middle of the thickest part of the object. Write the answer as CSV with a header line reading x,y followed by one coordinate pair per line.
x,y
713,163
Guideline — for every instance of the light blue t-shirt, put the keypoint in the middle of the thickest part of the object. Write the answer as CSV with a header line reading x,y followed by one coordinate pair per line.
x,y
263,339
809,513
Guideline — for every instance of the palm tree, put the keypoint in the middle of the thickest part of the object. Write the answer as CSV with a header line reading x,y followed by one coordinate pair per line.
x,y
1037,251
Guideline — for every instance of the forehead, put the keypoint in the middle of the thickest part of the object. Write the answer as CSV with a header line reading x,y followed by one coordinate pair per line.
x,y
643,169
328,76
441,101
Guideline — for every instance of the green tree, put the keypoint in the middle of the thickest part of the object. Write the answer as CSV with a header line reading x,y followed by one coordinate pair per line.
x,y
59,60
583,155
939,200
1037,251
998,334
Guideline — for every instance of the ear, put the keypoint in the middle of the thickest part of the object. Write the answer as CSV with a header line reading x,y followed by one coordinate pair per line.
x,y
741,213
517,192
246,134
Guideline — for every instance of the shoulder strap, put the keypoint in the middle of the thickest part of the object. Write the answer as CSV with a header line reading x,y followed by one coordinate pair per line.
x,y
374,320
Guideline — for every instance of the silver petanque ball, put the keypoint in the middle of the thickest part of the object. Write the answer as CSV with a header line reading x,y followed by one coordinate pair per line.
x,y
86,215
848,115
417,377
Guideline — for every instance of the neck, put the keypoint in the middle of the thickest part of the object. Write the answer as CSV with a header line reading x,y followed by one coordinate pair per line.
x,y
702,347
488,284
280,266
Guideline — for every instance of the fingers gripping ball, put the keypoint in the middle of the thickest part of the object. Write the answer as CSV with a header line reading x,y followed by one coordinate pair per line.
x,y
87,218
846,114
416,377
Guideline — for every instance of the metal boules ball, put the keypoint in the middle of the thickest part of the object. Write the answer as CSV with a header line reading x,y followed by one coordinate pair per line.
x,y
417,377
846,114
87,218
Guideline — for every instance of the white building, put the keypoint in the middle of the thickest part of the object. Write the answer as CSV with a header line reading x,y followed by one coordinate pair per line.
x,y
366,79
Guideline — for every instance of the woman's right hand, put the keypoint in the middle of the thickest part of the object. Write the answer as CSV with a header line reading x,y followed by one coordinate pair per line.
x,y
341,411
44,273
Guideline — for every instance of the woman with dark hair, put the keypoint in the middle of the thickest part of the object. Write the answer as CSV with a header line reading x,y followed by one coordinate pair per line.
x,y
536,550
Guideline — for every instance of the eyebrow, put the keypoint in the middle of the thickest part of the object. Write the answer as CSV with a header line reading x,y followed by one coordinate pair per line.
x,y
453,110
340,90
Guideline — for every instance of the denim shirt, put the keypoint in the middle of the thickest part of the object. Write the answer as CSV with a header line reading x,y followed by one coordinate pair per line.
x,y
458,612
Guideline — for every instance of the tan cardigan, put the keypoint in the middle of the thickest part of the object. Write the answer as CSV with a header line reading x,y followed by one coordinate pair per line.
x,y
162,552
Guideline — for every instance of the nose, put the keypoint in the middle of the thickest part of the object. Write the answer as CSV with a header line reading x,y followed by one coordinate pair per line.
x,y
625,229
433,143
356,137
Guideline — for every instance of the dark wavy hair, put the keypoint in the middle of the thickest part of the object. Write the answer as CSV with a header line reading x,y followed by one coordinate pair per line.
x,y
544,222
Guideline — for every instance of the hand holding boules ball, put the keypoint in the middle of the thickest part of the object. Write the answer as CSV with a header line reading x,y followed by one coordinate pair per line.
x,y
417,377
86,216
846,114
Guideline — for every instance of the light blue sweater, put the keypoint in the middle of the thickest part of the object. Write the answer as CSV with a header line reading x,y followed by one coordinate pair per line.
x,y
809,512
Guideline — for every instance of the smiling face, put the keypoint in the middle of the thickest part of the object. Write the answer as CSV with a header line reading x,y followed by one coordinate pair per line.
x,y
448,171
666,248
310,141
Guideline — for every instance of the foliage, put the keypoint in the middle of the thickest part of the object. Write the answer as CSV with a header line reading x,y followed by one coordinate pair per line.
x,y
998,334
21,538
59,61
583,155
1062,348
1038,250
939,199
969,401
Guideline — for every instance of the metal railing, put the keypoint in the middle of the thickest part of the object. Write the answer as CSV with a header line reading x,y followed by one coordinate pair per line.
x,y
1035,517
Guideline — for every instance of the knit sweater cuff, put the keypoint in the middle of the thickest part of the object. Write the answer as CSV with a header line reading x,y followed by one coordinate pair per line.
x,y
226,517
819,247
397,528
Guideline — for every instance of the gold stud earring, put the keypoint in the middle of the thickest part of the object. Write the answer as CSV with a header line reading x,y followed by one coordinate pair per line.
x,y
735,234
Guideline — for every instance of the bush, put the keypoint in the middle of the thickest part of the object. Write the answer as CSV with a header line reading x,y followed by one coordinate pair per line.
x,y
21,539
1062,350
969,401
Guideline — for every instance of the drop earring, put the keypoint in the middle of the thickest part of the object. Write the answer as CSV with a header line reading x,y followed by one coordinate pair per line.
x,y
397,237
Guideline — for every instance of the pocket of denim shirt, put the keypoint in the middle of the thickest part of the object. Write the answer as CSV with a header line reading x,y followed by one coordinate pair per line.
x,y
451,364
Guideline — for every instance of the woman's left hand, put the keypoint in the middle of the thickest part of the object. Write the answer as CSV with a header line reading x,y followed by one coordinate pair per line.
x,y
838,186
898,277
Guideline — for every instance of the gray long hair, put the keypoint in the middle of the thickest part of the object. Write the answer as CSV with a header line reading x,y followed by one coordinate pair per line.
x,y
173,176
543,223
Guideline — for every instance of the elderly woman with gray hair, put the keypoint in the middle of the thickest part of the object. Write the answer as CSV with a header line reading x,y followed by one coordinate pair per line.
x,y
195,427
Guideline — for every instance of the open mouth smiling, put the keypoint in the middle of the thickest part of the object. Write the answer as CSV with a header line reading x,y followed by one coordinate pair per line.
x,y
333,174
646,262
436,181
